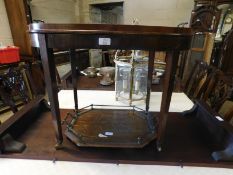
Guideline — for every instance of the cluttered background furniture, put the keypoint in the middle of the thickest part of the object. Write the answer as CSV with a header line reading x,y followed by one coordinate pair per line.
x,y
212,93
17,90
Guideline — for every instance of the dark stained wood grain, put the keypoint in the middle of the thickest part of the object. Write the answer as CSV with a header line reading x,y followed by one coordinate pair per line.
x,y
131,41
86,83
18,115
226,55
74,67
129,129
107,29
51,85
149,77
168,86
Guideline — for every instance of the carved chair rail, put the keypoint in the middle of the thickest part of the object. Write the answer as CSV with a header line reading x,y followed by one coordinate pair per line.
x,y
205,18
197,79
16,84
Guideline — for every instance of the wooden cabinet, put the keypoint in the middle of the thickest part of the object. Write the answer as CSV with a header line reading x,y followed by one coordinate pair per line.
x,y
19,17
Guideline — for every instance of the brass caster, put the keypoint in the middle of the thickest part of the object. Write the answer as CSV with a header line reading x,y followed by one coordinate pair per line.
x,y
58,146
46,104
159,148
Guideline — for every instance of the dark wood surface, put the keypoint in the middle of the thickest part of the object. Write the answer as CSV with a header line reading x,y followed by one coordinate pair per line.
x,y
18,115
168,82
108,29
226,55
79,36
48,63
184,145
86,83
149,78
112,128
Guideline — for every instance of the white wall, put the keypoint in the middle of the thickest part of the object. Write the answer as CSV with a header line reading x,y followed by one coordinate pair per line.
x,y
148,12
158,12
5,32
54,11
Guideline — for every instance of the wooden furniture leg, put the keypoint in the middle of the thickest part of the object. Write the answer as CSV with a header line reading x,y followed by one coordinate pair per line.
x,y
74,77
168,85
149,78
51,85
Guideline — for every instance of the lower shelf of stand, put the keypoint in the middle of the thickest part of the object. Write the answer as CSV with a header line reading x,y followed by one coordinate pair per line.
x,y
111,128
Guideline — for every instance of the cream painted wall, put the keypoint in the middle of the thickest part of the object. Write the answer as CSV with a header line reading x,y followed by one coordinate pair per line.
x,y
54,11
5,32
148,12
158,12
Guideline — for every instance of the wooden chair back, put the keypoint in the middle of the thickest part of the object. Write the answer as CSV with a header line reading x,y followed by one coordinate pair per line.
x,y
219,88
195,79
205,18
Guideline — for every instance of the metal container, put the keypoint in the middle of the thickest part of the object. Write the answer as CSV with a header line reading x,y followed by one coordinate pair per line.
x,y
131,76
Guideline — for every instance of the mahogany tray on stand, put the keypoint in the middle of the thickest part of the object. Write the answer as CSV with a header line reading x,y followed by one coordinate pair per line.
x,y
126,130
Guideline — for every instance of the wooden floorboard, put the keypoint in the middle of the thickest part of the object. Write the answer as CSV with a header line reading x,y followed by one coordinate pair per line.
x,y
185,144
